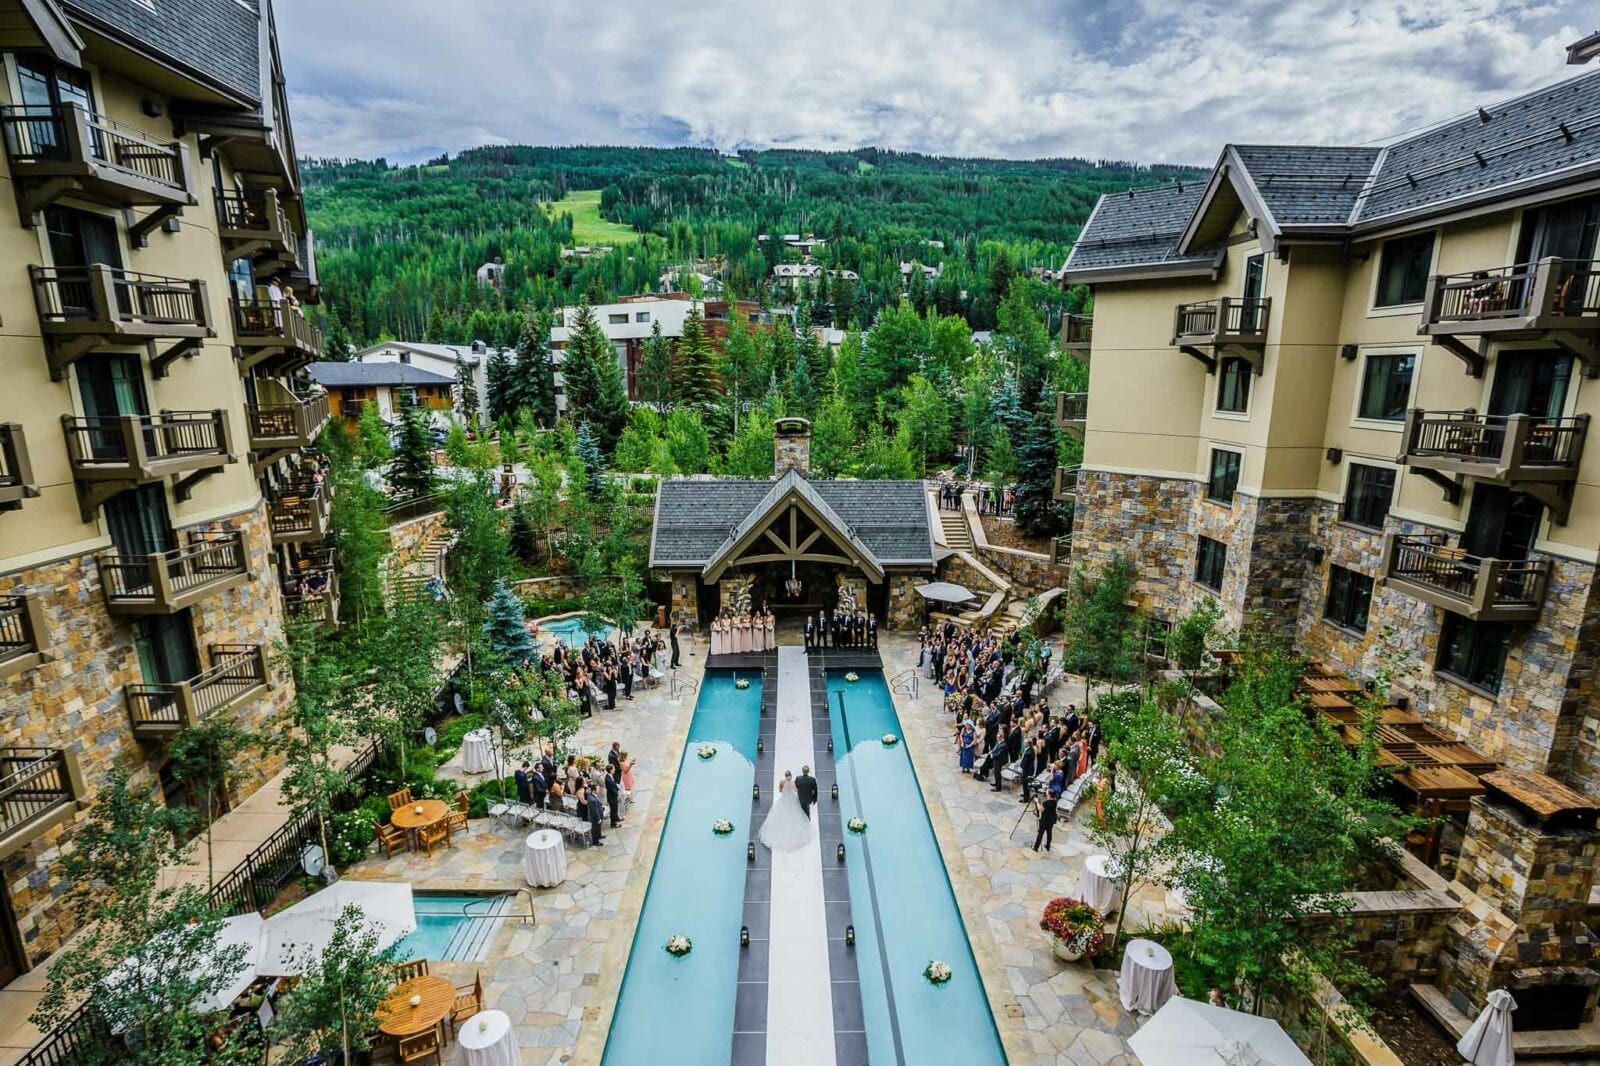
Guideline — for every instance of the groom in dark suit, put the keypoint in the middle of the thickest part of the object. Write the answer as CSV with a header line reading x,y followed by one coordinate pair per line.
x,y
805,790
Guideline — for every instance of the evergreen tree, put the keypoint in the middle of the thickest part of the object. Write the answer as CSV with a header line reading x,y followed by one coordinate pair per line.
x,y
608,414
833,438
533,374
1037,513
695,382
1021,336
524,540
502,390
589,455
411,470
655,369
466,394
587,349
802,392
504,627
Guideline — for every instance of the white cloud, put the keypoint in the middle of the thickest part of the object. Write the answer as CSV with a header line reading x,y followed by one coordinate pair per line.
x,y
1154,80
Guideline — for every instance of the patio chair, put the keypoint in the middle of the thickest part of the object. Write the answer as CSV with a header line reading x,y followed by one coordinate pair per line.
x,y
400,799
407,971
392,837
420,1047
469,1000
456,820
429,835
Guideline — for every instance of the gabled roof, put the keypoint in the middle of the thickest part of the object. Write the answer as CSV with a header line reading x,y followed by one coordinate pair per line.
x,y
1137,230
791,488
54,31
219,39
335,375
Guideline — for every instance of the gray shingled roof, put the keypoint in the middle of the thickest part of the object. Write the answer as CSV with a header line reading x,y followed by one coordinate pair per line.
x,y
220,39
1138,228
696,516
1307,185
334,375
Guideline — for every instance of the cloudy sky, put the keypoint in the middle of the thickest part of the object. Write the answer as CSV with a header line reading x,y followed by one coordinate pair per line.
x,y
1152,80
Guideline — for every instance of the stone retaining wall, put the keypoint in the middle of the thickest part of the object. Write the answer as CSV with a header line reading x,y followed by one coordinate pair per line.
x,y
406,539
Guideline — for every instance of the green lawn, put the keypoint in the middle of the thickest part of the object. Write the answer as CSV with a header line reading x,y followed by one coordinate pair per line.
x,y
587,225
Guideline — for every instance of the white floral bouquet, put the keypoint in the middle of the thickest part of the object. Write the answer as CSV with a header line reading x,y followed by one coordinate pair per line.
x,y
857,825
937,972
707,751
741,683
890,740
852,677
678,945
722,827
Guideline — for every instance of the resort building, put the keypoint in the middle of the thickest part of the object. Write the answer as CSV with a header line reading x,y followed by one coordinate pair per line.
x,y
391,387
154,494
630,322
1371,421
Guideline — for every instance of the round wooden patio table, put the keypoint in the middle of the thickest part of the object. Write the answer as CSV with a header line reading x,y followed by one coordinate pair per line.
x,y
398,1017
410,820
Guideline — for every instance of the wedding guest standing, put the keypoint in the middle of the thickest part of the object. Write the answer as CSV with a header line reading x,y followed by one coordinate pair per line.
x,y
614,793
1045,807
672,636
592,810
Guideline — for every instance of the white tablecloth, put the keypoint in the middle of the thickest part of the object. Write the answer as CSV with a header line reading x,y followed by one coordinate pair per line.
x,y
477,752
489,1040
1147,980
1097,885
544,859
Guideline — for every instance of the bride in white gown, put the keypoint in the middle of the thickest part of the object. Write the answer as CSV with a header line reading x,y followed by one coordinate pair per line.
x,y
787,828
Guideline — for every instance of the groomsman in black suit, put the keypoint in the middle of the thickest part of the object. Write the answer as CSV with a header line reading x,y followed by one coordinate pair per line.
x,y
872,631
811,633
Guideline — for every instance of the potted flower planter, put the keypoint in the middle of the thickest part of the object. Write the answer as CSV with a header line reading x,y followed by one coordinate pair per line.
x,y
1074,927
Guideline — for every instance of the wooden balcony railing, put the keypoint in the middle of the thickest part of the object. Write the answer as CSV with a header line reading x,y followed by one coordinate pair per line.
x,y
266,331
170,581
238,674
1066,483
1230,325
145,447
82,308
312,593
254,224
1554,299
24,640
39,788
288,425
1501,590
1501,448
1072,410
1077,332
16,471
56,150
298,512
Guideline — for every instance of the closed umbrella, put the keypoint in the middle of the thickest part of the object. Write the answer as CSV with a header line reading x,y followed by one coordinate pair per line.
x,y
1188,1033
945,592
1488,1042
295,936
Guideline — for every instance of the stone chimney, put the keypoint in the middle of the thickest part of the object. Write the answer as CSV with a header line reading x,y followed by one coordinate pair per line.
x,y
791,447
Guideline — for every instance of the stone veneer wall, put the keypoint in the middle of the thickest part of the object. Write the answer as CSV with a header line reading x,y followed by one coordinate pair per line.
x,y
75,702
1030,573
685,601
905,602
407,539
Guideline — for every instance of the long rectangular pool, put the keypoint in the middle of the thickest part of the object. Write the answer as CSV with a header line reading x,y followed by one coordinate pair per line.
x,y
901,902
681,1009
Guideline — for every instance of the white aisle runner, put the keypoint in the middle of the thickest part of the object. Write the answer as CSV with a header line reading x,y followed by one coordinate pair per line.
x,y
799,992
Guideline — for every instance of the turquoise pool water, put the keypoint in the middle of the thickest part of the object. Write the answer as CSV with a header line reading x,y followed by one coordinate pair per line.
x,y
681,1009
904,910
440,921
571,630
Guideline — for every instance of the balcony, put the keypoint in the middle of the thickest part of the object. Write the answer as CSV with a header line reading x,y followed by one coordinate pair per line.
x,y
1539,456
275,335
298,512
109,455
39,788
1228,326
311,592
16,472
24,643
1077,331
278,428
83,308
1485,590
1066,484
168,582
238,675
254,225
1553,299
1072,411
66,150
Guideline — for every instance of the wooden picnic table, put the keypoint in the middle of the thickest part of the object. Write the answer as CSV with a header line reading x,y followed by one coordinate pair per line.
x,y
396,1015
409,818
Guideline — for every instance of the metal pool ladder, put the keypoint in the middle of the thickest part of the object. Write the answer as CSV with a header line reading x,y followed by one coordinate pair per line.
x,y
905,683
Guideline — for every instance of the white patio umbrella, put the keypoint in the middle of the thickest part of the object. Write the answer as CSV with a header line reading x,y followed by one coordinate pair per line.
x,y
243,931
294,936
1488,1042
1188,1033
945,592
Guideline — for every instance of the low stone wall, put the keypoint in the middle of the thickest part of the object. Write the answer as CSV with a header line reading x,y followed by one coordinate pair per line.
x,y
1030,573
406,539
555,587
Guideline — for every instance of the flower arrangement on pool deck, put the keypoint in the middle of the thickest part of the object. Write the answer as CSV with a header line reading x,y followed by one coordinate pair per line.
x,y
742,683
852,677
722,827
678,945
937,972
707,751
1075,926
856,825
890,740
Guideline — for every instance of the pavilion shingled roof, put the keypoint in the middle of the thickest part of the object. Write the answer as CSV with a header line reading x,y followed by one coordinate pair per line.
x,y
1544,796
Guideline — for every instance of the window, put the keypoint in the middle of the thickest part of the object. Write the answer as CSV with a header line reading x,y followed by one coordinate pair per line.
x,y
1349,598
1224,475
1403,270
1386,387
1474,652
1368,495
618,320
1210,559
1233,385
641,316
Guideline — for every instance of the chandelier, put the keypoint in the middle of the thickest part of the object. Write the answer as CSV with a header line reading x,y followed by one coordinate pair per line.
x,y
794,585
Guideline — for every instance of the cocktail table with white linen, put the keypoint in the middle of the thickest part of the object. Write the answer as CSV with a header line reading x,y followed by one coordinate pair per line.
x,y
544,859
1097,886
1147,980
489,1040
477,752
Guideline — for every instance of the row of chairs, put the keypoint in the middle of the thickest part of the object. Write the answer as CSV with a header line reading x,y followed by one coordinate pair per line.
x,y
569,826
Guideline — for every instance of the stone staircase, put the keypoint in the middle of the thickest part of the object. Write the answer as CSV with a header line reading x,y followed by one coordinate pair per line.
x,y
954,532
428,564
